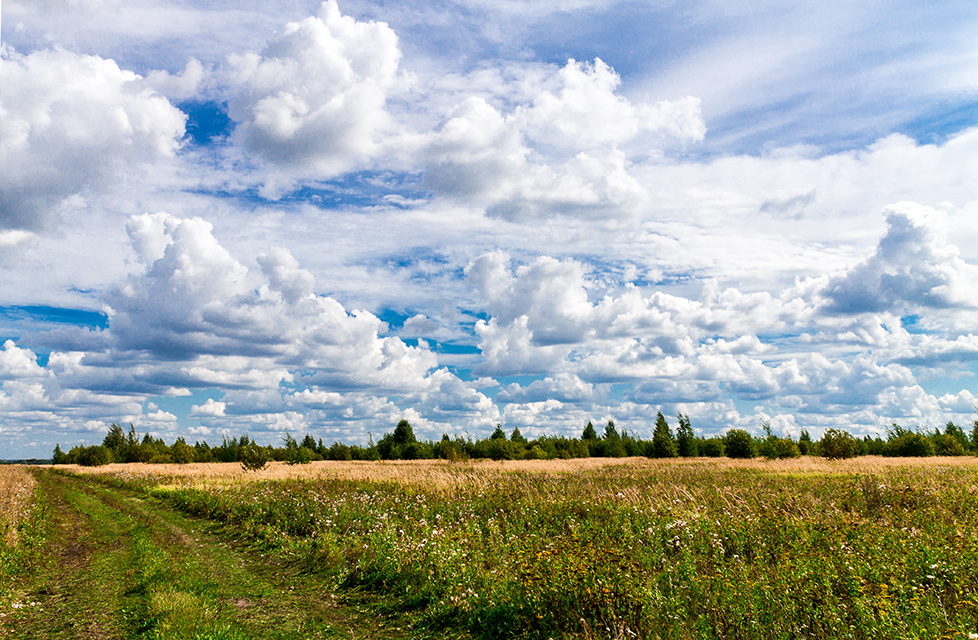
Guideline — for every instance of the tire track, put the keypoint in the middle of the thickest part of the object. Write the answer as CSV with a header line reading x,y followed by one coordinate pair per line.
x,y
124,566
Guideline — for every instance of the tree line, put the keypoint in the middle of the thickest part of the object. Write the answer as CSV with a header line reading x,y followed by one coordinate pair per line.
x,y
402,444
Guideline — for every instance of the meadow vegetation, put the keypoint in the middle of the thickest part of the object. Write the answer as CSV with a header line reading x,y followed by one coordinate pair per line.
x,y
20,528
798,547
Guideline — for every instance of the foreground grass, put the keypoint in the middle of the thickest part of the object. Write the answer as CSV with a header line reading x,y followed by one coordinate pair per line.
x,y
20,530
696,549
117,565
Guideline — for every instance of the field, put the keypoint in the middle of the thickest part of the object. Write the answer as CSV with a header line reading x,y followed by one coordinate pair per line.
x,y
600,548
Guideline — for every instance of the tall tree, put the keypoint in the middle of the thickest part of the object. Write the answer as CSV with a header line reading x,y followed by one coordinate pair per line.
x,y
403,433
663,444
589,432
685,438
115,441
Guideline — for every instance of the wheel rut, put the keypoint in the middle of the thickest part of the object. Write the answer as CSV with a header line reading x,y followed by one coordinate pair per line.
x,y
119,565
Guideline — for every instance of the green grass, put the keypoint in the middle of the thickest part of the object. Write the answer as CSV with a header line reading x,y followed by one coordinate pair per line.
x,y
121,566
647,550
675,551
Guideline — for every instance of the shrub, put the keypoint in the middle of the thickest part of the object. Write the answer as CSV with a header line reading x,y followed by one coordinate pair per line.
x,y
94,456
712,447
253,457
181,452
838,445
739,444
907,444
948,445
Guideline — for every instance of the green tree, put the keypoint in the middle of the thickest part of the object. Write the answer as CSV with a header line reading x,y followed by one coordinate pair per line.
x,y
59,456
309,443
774,447
498,434
838,444
181,452
663,444
956,432
392,445
295,454
403,433
252,456
712,447
94,456
686,445
905,443
339,451
516,436
612,445
115,441
739,444
589,432
805,443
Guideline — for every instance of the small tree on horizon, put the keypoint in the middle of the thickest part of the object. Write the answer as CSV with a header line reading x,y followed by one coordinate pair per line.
x,y
403,433
739,444
516,436
589,432
663,444
686,445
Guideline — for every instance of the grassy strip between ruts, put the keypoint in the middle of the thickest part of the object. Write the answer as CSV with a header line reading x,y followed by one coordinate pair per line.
x,y
120,566
690,550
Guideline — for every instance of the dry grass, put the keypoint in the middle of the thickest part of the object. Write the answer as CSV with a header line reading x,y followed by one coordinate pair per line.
x,y
448,477
16,486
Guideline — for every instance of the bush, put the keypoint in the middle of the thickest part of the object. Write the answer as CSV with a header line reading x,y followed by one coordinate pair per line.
x,y
181,452
948,445
904,443
253,457
712,447
838,445
536,452
94,456
739,444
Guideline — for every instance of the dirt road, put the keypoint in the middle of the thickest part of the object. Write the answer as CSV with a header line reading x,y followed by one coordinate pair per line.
x,y
117,565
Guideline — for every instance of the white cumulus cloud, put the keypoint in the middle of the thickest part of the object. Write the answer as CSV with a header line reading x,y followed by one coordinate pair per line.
x,y
73,122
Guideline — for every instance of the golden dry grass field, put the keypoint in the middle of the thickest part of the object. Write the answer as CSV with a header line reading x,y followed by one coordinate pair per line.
x,y
16,485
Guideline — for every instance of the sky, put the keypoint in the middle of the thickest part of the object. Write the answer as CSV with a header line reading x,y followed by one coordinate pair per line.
x,y
220,218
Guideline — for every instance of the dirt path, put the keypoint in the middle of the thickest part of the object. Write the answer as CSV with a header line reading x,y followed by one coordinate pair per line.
x,y
120,566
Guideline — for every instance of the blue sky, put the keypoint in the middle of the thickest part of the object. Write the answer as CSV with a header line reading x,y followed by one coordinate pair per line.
x,y
219,218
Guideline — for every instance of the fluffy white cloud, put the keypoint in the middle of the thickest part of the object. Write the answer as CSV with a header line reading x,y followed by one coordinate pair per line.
x,y
785,352
191,316
914,266
229,326
70,123
565,148
313,101
579,109
210,408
